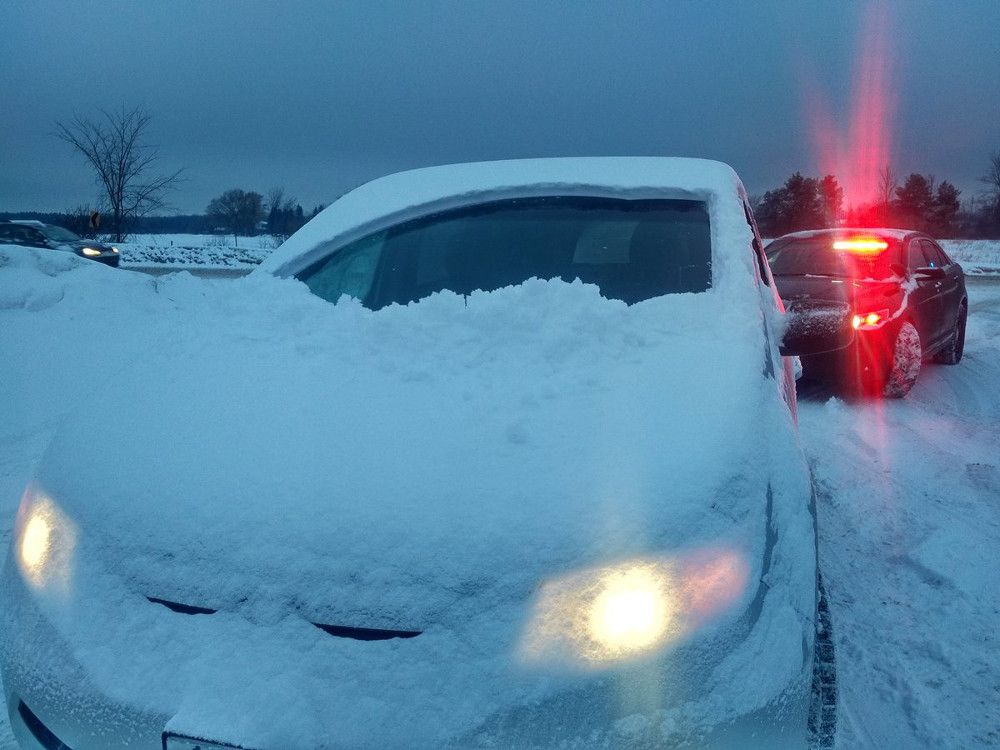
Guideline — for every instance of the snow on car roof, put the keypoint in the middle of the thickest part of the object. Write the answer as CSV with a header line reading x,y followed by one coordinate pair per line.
x,y
398,197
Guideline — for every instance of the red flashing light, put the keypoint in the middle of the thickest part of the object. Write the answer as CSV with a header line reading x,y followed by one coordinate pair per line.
x,y
868,321
862,245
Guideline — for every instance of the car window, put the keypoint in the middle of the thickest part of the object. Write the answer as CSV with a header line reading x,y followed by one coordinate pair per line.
x,y
631,249
59,234
816,256
915,257
934,255
21,235
34,237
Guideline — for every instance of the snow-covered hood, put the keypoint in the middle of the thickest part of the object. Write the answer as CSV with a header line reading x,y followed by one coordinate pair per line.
x,y
448,466
418,457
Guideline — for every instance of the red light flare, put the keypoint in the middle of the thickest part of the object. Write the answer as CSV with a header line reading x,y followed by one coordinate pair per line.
x,y
859,156
711,580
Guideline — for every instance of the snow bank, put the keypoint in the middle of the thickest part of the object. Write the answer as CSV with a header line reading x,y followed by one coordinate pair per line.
x,y
245,446
978,257
195,250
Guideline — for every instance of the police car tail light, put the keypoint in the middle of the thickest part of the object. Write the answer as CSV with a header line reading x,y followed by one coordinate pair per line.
x,y
869,321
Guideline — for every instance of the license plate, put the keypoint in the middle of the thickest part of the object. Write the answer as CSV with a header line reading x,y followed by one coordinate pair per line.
x,y
178,742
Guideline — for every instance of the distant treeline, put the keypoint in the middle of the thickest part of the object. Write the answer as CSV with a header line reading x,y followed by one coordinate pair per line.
x,y
915,202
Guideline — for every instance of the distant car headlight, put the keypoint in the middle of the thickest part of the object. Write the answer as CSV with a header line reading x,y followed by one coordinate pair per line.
x,y
610,614
91,252
45,539
114,249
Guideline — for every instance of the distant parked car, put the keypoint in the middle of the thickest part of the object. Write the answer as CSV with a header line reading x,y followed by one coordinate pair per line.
x,y
872,303
38,234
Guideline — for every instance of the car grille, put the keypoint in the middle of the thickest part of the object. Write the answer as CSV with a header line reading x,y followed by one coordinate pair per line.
x,y
338,631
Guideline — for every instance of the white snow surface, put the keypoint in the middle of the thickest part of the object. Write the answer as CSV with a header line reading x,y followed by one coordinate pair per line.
x,y
978,257
246,446
909,519
182,251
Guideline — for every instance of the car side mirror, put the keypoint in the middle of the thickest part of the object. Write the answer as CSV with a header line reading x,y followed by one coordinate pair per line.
x,y
814,328
929,273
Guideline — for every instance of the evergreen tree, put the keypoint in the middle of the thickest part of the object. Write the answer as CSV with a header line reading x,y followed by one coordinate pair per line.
x,y
945,209
832,196
914,201
796,205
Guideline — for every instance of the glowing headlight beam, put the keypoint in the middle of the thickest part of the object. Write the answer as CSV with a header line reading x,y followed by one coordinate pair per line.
x,y
35,542
599,616
631,613
45,542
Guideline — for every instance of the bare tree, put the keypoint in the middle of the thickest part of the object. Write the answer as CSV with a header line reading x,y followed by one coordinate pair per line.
x,y
281,215
276,199
992,179
113,146
887,184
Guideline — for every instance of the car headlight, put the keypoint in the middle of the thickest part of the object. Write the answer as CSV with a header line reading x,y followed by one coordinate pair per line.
x,y
44,541
610,614
114,250
91,252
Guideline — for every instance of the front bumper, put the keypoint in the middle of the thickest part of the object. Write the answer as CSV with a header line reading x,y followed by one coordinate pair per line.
x,y
62,688
862,365
48,693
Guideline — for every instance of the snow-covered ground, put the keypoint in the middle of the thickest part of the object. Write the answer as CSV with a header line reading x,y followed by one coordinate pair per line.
x,y
196,250
909,499
977,257
909,502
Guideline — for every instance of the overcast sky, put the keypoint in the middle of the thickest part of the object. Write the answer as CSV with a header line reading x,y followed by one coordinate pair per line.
x,y
320,96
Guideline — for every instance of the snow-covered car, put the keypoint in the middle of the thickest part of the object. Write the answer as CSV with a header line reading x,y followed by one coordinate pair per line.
x,y
871,304
30,233
532,481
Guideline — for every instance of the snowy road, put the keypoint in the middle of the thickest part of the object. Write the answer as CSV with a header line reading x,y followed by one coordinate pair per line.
x,y
909,545
909,503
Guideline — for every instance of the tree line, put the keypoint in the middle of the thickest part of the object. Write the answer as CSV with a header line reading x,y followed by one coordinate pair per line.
x,y
916,202
132,188
247,213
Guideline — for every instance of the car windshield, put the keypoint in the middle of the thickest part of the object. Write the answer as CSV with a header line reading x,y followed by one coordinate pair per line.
x,y
815,256
58,234
631,249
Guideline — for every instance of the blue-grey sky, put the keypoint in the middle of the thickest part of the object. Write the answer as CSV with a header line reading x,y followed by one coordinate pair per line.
x,y
320,96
